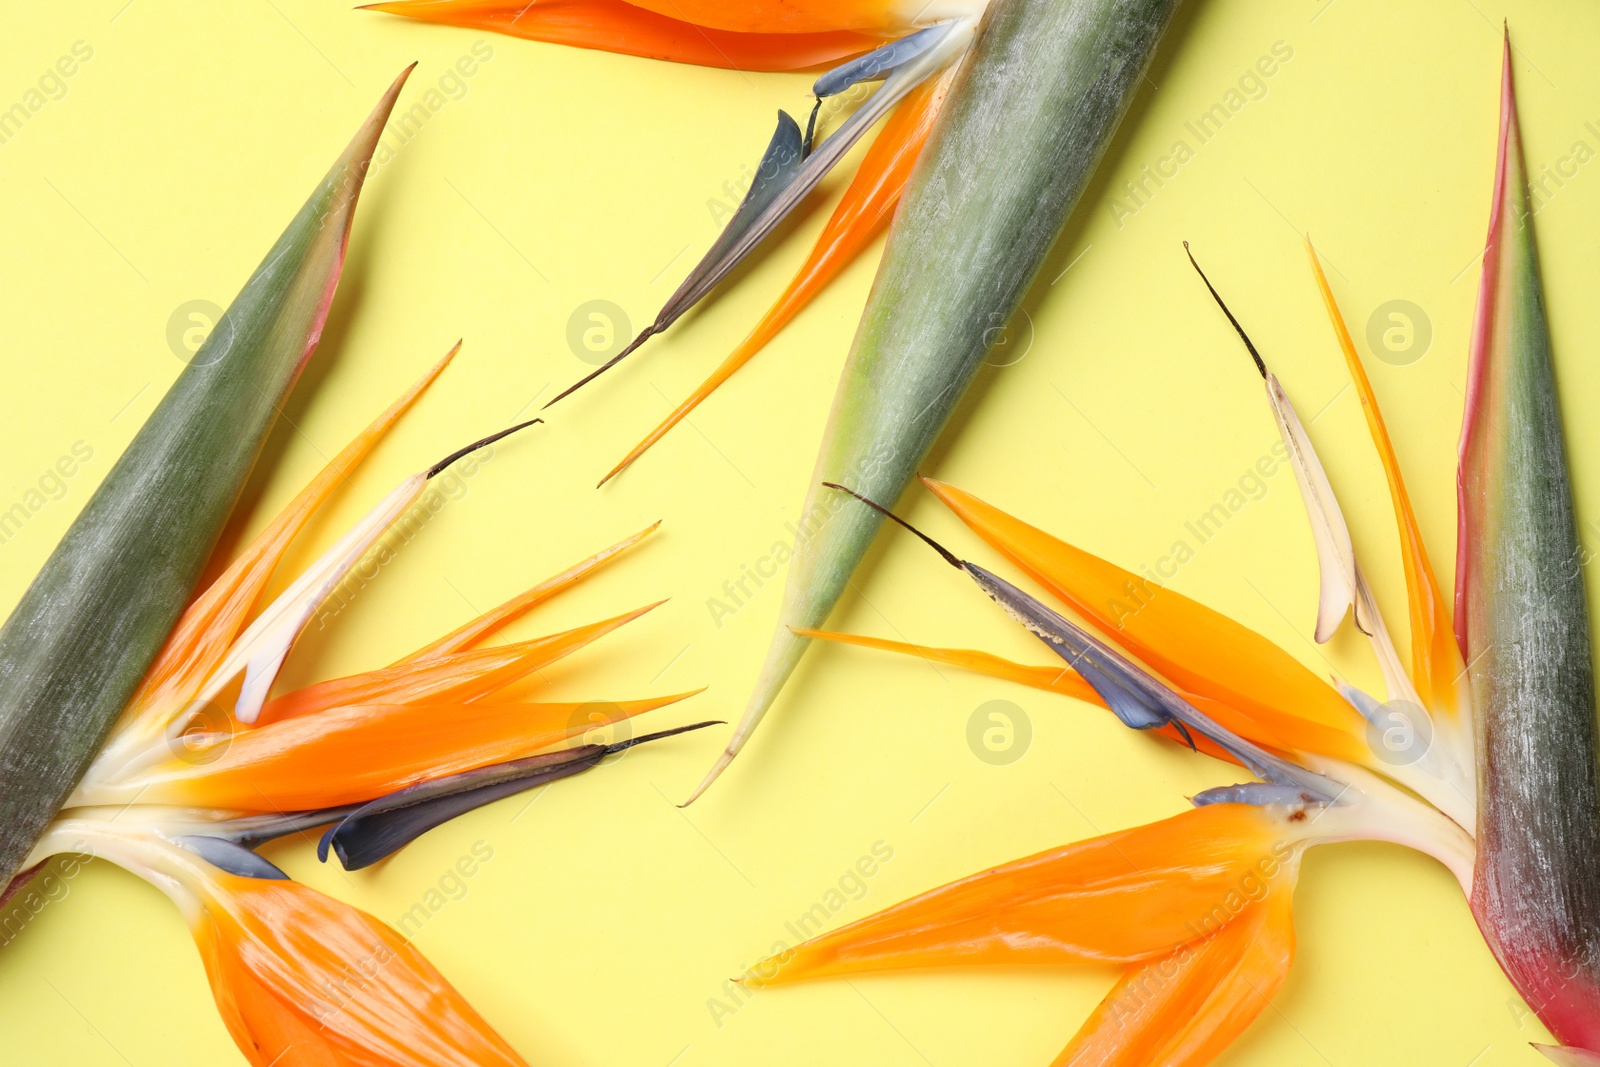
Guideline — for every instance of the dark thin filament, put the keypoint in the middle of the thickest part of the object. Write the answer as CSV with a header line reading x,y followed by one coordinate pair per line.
x,y
1260,365
659,734
949,556
649,332
474,446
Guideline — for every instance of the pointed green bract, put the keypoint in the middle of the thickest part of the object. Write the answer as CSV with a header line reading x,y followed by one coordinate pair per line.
x,y
1023,129
80,640
1524,631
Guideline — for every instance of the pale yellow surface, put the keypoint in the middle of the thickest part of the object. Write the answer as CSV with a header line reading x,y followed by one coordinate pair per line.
x,y
604,927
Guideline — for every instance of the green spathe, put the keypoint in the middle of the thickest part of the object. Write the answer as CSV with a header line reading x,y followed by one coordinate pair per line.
x,y
76,647
1523,623
1019,137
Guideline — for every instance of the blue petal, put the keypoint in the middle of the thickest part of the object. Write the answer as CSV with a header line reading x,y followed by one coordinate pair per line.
x,y
253,831
382,827
1259,794
386,825
1137,697
877,63
235,859
793,177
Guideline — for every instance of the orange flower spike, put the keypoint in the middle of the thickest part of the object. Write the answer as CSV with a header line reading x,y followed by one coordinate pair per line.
x,y
351,754
614,26
868,205
302,980
491,622
1184,1009
1124,897
1202,650
1437,667
450,678
208,627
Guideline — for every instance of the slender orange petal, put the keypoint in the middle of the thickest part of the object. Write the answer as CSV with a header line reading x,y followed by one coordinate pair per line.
x,y
614,26
304,981
1203,651
452,678
1060,679
209,626
1057,679
490,622
1184,1009
1436,666
862,214
352,754
1124,897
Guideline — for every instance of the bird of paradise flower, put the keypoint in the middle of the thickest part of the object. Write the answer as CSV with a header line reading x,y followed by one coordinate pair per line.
x,y
189,783
912,47
1198,907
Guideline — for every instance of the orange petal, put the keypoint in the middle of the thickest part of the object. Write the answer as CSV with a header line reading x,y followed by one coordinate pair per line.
x,y
1184,1009
862,214
304,981
266,1030
1061,679
1058,679
614,26
445,679
352,754
1129,896
1203,651
788,16
1436,665
207,629
490,622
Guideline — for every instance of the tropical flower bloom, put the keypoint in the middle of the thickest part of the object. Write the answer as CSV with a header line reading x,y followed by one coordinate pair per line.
x,y
205,764
912,47
1482,753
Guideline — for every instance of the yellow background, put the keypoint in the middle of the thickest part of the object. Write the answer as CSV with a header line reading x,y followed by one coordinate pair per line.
x,y
603,928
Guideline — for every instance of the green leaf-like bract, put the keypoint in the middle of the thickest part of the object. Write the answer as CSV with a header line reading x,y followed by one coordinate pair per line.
x,y
1524,628
1025,125
87,629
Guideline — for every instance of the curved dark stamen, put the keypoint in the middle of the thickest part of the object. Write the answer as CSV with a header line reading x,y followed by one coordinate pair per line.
x,y
474,446
811,127
949,556
1260,364
649,332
